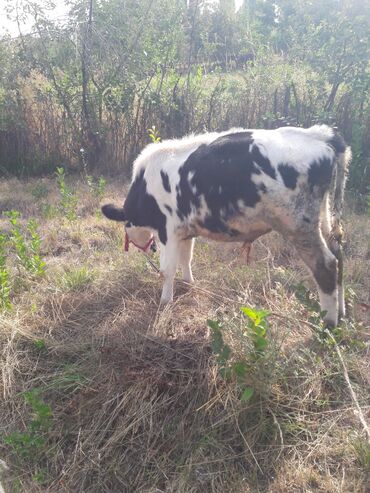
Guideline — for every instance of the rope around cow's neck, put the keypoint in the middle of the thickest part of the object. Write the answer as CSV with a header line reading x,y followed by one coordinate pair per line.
x,y
142,248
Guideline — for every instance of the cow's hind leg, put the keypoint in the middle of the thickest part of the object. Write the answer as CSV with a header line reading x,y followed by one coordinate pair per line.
x,y
333,237
169,257
324,267
185,256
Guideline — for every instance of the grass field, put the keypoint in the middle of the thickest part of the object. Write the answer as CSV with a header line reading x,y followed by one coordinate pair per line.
x,y
104,391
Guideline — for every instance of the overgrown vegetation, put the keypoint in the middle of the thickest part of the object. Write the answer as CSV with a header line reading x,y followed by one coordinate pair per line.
x,y
68,202
102,391
83,93
256,401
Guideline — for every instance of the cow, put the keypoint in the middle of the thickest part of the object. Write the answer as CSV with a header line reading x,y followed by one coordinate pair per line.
x,y
235,186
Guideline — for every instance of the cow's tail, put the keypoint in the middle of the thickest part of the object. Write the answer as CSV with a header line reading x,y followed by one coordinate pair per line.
x,y
112,212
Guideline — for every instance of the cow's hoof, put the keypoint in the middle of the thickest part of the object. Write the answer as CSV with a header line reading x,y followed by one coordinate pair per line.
x,y
188,280
165,301
330,324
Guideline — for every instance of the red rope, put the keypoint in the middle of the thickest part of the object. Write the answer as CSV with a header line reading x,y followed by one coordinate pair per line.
x,y
143,248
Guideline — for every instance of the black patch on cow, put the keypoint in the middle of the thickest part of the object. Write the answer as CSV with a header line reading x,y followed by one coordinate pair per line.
x,y
221,172
112,212
141,208
337,143
168,208
165,181
263,162
320,174
289,175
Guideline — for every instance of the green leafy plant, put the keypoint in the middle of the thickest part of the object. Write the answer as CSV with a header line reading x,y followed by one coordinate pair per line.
x,y
28,444
238,370
4,276
68,203
27,244
154,135
96,186
257,328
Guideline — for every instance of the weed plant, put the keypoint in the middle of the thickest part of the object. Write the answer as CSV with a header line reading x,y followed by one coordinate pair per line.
x,y
5,302
27,244
68,202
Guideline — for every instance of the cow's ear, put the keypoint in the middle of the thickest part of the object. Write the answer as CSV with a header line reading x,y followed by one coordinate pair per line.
x,y
112,212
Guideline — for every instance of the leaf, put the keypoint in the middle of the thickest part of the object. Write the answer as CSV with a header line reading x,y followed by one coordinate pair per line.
x,y
240,369
213,324
257,316
247,394
260,344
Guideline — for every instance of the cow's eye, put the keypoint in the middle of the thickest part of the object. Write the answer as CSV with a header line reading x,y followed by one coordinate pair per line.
x,y
128,225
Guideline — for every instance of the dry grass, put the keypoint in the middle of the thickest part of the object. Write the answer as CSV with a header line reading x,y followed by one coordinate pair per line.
x,y
137,399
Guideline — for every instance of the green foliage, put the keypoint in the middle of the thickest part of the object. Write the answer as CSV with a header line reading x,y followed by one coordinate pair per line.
x,y
96,186
69,380
5,302
154,135
306,297
258,329
39,191
48,211
171,64
29,444
40,344
27,244
362,450
77,278
68,202
240,369
346,333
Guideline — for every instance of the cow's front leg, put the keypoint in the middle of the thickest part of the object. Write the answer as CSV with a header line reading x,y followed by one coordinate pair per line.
x,y
168,263
324,267
185,257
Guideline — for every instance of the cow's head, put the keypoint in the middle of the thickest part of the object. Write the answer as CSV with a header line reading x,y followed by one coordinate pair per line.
x,y
139,236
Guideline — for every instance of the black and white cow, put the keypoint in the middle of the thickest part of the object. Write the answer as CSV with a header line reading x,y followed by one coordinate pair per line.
x,y
236,186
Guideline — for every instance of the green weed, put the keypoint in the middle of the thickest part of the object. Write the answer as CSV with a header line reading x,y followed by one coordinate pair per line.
x,y
68,203
39,191
29,444
27,244
231,369
68,380
77,278
96,186
362,450
4,276
40,344
48,211
154,135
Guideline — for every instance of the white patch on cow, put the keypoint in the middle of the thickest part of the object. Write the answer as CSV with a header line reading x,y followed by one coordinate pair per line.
x,y
298,147
325,219
192,185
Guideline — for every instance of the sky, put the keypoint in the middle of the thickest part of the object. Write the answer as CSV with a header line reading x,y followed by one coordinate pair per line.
x,y
8,26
